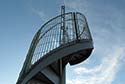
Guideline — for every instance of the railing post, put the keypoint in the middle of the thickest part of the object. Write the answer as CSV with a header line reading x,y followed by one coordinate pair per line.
x,y
76,26
63,41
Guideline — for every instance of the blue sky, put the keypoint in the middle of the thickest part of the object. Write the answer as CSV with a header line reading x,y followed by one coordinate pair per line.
x,y
20,19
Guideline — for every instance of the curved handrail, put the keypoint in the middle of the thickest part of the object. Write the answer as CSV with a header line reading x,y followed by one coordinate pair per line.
x,y
50,31
50,36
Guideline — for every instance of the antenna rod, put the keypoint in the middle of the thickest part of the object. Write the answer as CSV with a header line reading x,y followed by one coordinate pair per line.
x,y
63,24
62,9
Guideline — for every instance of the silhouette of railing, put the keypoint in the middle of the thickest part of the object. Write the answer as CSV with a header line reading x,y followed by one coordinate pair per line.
x,y
55,34
51,35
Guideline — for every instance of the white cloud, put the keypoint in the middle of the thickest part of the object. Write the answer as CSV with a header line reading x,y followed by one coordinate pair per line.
x,y
34,8
106,23
104,73
40,13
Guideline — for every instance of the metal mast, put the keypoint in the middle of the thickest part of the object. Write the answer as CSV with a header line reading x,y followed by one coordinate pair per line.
x,y
63,40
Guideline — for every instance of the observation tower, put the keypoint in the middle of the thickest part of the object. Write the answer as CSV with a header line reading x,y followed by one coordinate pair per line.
x,y
64,39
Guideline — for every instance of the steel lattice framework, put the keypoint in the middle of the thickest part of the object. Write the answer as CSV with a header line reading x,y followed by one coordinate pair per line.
x,y
63,39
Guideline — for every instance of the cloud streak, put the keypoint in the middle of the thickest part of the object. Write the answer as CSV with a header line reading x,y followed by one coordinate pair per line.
x,y
41,14
37,11
106,24
102,74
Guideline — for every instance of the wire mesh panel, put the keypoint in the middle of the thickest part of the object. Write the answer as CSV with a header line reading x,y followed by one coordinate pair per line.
x,y
52,35
67,33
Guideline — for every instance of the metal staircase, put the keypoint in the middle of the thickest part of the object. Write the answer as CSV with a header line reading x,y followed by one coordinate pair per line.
x,y
64,39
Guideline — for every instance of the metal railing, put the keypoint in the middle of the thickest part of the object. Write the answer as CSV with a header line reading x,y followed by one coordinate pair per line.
x,y
52,35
